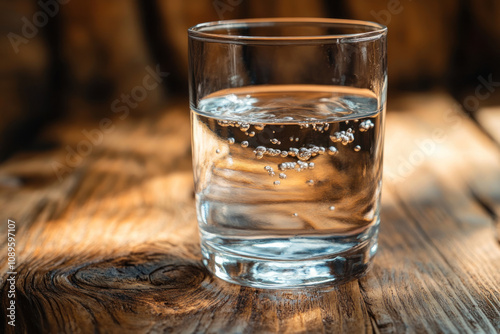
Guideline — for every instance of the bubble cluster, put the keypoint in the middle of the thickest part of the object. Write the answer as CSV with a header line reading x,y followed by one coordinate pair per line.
x,y
270,170
260,151
293,152
275,141
319,126
301,154
345,137
366,125
304,154
298,166
287,165
225,123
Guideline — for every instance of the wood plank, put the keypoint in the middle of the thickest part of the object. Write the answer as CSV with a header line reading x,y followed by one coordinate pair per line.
x,y
113,247
454,241
488,193
489,118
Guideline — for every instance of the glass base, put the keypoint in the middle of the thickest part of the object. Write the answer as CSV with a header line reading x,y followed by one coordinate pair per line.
x,y
331,269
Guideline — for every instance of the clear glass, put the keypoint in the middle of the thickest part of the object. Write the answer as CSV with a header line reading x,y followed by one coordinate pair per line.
x,y
287,136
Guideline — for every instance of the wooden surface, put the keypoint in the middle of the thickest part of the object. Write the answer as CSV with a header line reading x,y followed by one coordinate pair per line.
x,y
112,246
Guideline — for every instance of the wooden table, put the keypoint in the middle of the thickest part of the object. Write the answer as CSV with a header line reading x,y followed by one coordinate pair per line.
x,y
112,246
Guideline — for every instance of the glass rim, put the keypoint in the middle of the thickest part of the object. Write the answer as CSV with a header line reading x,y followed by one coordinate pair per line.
x,y
204,31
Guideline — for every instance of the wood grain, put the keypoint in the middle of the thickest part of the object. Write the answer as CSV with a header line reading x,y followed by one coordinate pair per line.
x,y
113,247
489,193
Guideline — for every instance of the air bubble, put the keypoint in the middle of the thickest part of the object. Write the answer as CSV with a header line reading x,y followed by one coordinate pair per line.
x,y
310,182
217,151
321,151
311,165
230,140
275,141
276,183
244,144
296,138
282,176
357,148
295,214
332,150
260,149
288,118
244,127
259,155
251,134
268,168
332,208
291,138
259,127
284,154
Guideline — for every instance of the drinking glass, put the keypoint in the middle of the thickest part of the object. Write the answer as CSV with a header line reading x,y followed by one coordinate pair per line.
x,y
287,136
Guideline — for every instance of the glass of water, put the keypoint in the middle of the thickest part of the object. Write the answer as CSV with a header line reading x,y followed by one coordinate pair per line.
x,y
287,136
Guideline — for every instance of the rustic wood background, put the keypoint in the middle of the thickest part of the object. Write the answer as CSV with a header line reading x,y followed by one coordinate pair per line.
x,y
108,243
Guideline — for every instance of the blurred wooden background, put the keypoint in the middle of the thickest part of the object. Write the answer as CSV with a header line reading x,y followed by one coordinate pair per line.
x,y
87,53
